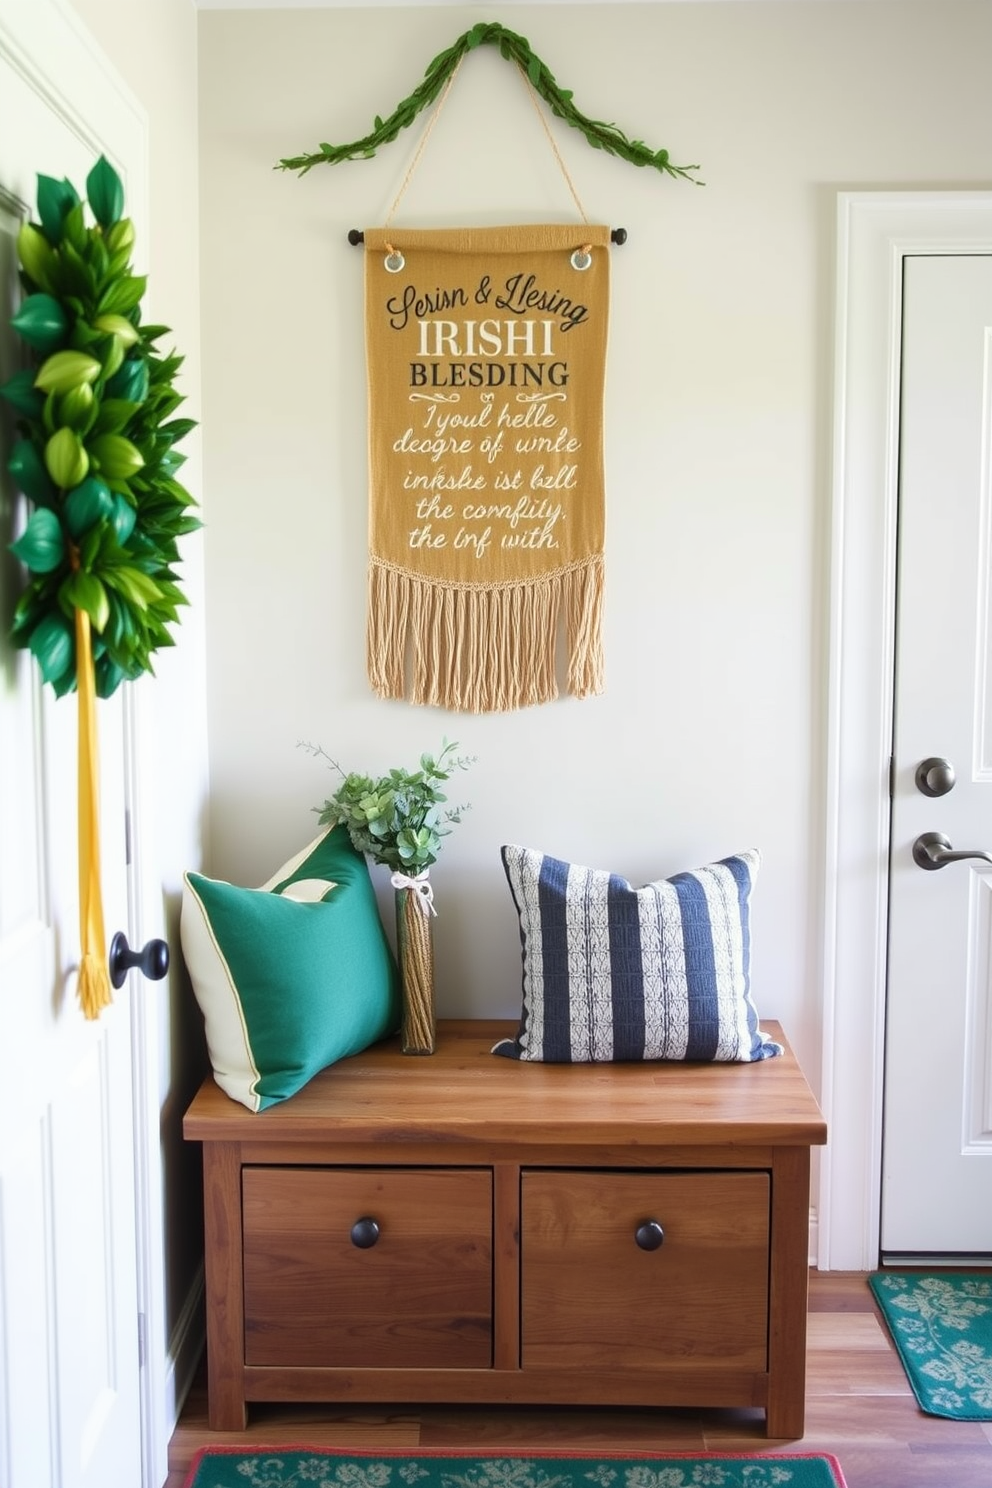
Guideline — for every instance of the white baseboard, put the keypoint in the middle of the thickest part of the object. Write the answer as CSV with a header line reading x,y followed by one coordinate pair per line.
x,y
185,1348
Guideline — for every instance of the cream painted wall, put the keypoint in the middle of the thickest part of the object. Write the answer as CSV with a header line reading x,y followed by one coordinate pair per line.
x,y
710,734
709,737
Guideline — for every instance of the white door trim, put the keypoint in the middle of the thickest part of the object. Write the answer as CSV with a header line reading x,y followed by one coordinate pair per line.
x,y
875,231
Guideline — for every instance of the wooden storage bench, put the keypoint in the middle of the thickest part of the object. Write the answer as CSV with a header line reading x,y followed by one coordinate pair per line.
x,y
465,1228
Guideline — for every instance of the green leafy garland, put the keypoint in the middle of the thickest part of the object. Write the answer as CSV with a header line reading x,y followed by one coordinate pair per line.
x,y
514,48
95,453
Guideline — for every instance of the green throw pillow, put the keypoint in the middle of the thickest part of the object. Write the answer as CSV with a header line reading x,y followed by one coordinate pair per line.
x,y
292,976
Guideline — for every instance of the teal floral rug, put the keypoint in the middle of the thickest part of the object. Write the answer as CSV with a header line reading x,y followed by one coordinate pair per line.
x,y
941,1325
313,1467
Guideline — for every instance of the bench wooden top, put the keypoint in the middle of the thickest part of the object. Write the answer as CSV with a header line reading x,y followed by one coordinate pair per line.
x,y
463,1094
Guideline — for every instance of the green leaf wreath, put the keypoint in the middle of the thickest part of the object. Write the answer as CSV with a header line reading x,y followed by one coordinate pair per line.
x,y
515,49
95,451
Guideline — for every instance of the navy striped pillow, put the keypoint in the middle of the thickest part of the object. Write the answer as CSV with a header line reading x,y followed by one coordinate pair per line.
x,y
615,973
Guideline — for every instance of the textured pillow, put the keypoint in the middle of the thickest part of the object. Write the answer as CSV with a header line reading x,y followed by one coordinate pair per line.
x,y
616,973
292,976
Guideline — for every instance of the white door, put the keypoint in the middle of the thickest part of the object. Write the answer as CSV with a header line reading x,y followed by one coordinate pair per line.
x,y
69,1367
937,1142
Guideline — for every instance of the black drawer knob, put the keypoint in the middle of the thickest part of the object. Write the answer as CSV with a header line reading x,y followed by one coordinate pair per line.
x,y
364,1233
649,1235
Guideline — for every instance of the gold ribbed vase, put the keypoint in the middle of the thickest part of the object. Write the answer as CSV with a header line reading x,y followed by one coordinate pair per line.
x,y
415,953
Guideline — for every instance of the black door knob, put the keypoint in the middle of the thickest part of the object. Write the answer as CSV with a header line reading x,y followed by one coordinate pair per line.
x,y
152,960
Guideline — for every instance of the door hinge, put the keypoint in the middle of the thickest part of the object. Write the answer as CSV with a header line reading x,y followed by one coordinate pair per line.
x,y
892,780
141,1340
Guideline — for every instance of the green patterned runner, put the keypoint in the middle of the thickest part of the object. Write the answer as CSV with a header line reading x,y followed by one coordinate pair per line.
x,y
941,1324
276,1467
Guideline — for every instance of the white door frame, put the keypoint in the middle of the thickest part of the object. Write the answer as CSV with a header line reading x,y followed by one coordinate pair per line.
x,y
45,41
875,232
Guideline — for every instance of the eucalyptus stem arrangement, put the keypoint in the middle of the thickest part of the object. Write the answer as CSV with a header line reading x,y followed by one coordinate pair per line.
x,y
399,819
516,49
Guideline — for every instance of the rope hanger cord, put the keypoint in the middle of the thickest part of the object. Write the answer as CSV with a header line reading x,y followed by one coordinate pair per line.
x,y
356,236
423,143
513,48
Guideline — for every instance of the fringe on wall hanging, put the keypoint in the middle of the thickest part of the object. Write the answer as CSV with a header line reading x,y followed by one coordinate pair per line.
x,y
486,362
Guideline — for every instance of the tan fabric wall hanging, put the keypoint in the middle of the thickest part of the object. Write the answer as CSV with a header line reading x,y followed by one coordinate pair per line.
x,y
486,363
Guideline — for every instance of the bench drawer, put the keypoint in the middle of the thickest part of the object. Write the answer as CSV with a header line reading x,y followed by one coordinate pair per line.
x,y
592,1297
418,1296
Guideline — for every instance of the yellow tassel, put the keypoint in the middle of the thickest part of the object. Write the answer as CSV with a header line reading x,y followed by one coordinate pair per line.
x,y
94,978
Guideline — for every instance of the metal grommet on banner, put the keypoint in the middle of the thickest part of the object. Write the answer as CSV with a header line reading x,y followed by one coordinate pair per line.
x,y
582,258
394,260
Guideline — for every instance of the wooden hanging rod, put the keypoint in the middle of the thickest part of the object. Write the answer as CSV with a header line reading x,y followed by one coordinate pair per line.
x,y
618,235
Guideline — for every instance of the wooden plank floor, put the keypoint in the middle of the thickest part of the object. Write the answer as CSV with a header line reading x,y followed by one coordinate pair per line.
x,y
859,1407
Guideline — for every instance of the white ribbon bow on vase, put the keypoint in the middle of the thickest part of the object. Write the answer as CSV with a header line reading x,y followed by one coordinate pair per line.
x,y
422,887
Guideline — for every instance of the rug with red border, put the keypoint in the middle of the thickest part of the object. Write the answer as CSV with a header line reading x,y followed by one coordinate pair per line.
x,y
320,1467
